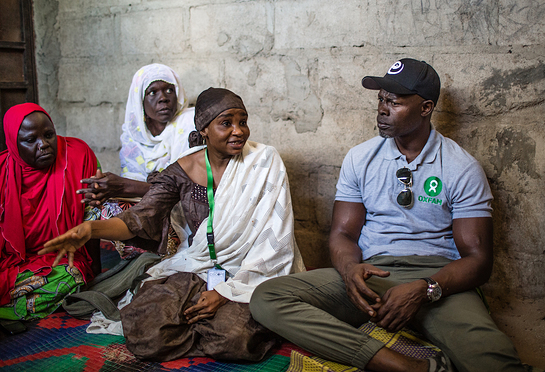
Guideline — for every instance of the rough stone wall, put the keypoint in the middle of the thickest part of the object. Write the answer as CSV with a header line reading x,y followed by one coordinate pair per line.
x,y
298,67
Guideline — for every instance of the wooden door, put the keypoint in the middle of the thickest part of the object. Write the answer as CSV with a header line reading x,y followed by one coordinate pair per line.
x,y
17,61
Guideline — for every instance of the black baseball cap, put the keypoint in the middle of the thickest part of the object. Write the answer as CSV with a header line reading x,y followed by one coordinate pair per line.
x,y
407,76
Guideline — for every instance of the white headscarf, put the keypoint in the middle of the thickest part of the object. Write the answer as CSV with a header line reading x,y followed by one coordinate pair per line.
x,y
142,153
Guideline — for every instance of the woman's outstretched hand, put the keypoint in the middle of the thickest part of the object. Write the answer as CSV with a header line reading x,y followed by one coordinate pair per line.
x,y
68,243
206,307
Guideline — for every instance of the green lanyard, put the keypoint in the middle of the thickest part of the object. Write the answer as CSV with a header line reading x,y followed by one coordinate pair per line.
x,y
209,227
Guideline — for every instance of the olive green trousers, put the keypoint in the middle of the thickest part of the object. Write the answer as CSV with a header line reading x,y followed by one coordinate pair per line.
x,y
312,310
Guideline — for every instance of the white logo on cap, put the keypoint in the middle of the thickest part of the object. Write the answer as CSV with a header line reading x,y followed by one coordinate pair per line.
x,y
396,68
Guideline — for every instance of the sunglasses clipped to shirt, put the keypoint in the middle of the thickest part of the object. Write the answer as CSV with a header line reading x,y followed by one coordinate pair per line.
x,y
405,198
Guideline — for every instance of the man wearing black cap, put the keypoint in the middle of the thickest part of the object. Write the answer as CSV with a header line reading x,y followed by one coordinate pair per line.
x,y
411,240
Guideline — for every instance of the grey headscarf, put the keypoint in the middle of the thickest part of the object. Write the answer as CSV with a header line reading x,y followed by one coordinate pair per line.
x,y
210,104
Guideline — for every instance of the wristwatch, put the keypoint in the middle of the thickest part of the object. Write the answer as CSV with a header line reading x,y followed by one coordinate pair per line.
x,y
434,291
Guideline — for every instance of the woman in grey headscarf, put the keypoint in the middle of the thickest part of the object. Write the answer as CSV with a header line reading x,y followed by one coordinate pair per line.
x,y
176,315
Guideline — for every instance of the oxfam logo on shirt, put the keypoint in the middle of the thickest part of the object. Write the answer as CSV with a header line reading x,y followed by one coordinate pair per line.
x,y
433,186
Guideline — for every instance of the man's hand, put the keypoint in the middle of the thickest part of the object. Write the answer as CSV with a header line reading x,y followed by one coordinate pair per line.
x,y
354,279
399,305
206,307
473,238
101,187
348,219
68,243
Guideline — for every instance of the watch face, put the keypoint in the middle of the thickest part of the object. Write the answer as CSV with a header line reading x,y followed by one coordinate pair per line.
x,y
434,292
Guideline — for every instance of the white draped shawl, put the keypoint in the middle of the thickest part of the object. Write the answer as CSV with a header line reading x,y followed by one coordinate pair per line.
x,y
253,227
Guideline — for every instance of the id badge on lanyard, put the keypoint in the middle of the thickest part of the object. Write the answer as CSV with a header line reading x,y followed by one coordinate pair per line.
x,y
216,275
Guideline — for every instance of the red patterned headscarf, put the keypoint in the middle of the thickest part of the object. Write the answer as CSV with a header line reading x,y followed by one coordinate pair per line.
x,y
37,205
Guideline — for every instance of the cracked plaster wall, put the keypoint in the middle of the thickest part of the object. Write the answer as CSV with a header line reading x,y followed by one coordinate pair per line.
x,y
298,67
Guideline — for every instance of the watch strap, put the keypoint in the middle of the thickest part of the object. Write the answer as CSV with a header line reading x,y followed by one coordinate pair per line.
x,y
430,281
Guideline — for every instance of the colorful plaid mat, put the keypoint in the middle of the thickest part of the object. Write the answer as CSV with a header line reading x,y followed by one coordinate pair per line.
x,y
60,343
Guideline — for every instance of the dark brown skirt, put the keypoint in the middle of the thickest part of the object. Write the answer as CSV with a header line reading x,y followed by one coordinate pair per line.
x,y
156,329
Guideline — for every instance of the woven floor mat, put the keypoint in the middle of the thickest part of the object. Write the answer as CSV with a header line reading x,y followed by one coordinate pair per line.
x,y
60,343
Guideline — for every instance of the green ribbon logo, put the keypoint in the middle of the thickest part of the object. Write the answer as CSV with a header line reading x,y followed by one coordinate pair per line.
x,y
433,186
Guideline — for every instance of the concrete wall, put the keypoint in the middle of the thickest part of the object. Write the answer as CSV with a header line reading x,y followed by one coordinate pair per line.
x,y
298,67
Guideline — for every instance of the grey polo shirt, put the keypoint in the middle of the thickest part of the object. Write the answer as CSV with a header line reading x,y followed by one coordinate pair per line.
x,y
448,183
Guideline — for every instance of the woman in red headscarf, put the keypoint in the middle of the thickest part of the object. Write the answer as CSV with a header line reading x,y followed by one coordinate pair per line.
x,y
39,175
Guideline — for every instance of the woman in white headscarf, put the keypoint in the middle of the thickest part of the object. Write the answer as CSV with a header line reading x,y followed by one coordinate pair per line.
x,y
155,131
155,134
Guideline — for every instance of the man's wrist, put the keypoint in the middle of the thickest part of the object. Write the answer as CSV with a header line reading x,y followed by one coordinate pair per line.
x,y
345,269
